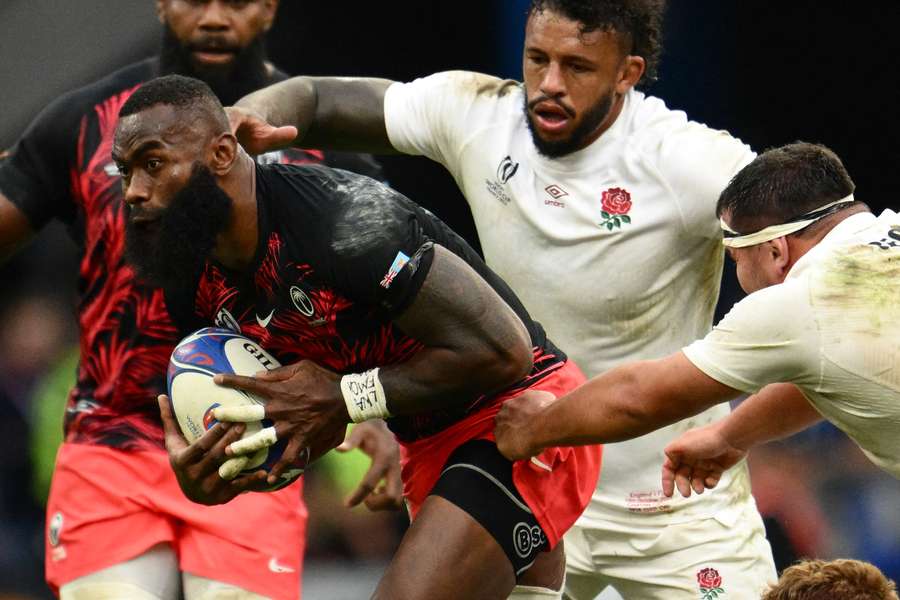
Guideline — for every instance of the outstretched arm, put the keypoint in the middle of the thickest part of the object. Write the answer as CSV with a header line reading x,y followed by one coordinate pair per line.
x,y
339,113
621,404
697,459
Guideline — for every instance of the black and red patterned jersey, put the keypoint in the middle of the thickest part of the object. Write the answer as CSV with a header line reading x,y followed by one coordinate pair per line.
x,y
339,257
61,168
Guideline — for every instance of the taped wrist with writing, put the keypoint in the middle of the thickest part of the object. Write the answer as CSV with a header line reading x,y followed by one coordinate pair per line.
x,y
364,396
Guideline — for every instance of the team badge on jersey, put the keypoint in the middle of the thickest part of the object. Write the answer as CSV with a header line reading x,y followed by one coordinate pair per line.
x,y
614,207
710,584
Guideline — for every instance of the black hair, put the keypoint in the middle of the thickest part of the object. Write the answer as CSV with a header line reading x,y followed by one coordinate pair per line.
x,y
178,91
782,184
640,21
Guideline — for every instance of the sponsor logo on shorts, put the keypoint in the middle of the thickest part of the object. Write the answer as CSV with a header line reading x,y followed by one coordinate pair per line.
x,y
277,567
526,538
710,583
53,531
399,262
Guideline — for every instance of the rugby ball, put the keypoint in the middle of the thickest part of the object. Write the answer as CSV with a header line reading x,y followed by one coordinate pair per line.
x,y
193,395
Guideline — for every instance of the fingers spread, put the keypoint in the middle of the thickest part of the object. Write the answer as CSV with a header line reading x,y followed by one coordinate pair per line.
x,y
240,382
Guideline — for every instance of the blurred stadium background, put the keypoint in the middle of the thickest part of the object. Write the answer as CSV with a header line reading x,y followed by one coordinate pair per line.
x,y
768,72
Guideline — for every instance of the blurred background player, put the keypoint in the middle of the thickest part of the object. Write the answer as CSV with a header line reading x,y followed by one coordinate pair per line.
x,y
117,524
596,204
841,579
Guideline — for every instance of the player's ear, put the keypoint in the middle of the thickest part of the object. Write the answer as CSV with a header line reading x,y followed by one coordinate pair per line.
x,y
224,153
270,7
161,11
780,253
630,72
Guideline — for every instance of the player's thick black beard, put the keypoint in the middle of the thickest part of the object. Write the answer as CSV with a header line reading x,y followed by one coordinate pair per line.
x,y
230,83
172,252
592,120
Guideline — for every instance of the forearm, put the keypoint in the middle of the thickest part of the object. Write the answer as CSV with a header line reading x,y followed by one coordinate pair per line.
x,y
629,401
340,113
289,102
606,409
777,411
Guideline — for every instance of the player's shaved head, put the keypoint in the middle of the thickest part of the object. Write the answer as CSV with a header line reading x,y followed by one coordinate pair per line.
x,y
184,94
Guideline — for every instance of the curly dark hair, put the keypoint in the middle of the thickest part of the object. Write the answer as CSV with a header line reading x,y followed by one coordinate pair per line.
x,y
178,91
640,20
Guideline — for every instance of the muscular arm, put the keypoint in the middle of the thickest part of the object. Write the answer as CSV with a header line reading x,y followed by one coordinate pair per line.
x,y
621,404
339,113
15,229
474,342
777,411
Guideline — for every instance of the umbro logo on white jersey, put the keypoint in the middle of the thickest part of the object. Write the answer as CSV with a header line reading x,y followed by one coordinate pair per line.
x,y
265,322
275,567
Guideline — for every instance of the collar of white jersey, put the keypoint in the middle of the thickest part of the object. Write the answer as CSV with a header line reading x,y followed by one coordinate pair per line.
x,y
733,239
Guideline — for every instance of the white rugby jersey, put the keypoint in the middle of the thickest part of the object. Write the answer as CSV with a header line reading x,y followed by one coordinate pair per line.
x,y
832,328
615,248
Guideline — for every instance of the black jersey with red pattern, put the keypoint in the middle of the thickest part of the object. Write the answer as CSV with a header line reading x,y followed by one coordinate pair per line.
x,y
340,256
61,168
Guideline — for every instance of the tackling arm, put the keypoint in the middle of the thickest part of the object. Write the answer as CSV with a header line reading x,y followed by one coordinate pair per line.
x,y
697,459
340,113
624,403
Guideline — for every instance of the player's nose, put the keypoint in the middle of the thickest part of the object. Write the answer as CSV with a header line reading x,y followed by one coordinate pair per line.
x,y
214,16
136,190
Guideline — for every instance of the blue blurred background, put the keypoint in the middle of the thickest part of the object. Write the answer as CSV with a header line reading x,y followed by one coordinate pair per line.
x,y
768,72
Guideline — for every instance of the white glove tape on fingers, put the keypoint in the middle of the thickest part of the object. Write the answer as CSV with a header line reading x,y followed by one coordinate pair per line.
x,y
229,469
246,413
259,440
364,396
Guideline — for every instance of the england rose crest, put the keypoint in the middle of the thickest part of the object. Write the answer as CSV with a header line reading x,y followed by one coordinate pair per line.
x,y
710,584
614,206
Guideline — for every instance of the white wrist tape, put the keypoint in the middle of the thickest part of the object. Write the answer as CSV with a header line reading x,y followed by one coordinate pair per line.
x,y
364,396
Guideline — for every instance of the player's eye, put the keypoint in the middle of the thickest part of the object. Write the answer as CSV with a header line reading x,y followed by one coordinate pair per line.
x,y
123,171
153,164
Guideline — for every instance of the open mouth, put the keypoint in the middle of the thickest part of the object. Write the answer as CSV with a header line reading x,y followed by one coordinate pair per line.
x,y
550,117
